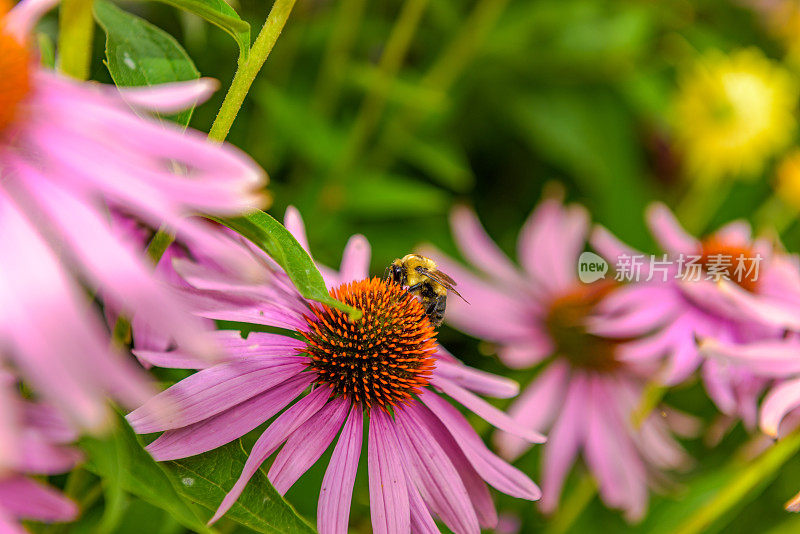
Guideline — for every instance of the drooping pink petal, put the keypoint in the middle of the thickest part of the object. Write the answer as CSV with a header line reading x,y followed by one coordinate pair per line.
x,y
333,510
565,439
485,410
474,484
388,495
24,498
497,472
229,425
779,401
270,440
477,380
770,358
212,391
170,97
536,408
421,520
306,444
434,476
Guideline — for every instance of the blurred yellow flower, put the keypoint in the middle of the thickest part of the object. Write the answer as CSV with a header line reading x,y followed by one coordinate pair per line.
x,y
788,179
732,112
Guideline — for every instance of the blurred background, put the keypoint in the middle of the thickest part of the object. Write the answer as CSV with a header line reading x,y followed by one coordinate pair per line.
x,y
378,117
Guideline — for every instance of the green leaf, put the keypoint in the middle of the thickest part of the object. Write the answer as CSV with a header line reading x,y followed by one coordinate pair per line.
x,y
220,14
124,465
140,54
207,478
270,235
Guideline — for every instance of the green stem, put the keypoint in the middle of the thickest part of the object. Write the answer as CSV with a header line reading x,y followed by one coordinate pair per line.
x,y
75,36
701,202
651,396
574,504
774,214
345,27
745,481
390,62
247,71
444,72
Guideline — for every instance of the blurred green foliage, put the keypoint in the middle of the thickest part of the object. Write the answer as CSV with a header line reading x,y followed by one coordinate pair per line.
x,y
378,117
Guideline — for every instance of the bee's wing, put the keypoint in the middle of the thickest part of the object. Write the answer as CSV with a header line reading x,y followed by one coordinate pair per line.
x,y
444,280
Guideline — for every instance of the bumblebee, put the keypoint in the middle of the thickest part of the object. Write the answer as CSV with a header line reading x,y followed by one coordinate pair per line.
x,y
420,277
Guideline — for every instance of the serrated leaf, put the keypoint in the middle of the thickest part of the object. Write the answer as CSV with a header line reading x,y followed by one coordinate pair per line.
x,y
140,54
219,13
206,479
120,460
270,235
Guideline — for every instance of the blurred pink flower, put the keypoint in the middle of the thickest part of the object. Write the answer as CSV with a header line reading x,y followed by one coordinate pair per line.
x,y
746,308
543,315
69,153
33,440
423,455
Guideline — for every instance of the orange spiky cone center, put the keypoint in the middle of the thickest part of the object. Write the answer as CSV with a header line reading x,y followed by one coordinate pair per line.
x,y
15,75
382,359
736,262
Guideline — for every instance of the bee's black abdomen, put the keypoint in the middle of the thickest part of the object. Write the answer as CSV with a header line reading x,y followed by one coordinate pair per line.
x,y
435,310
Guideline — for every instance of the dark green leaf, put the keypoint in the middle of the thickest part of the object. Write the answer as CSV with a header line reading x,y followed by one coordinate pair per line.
x,y
206,478
275,240
120,460
219,13
140,54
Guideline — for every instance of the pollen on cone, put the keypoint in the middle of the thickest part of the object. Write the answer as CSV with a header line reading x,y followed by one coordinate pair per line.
x,y
384,358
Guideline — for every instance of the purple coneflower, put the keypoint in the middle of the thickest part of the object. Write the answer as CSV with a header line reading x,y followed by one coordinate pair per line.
x,y
33,440
728,287
423,456
586,392
69,153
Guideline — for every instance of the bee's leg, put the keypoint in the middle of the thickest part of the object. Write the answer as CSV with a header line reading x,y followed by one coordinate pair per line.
x,y
413,288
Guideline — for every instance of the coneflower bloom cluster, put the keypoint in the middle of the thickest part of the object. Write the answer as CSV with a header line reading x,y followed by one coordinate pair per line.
x,y
34,441
544,316
69,153
386,370
757,303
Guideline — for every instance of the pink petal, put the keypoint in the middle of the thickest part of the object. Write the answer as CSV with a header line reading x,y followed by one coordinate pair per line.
x,y
212,391
229,425
170,97
474,484
479,249
770,358
536,408
565,439
24,498
477,380
433,474
333,510
668,231
306,444
355,260
489,466
388,496
782,399
421,520
485,410
293,222
717,381
21,20
270,440
526,354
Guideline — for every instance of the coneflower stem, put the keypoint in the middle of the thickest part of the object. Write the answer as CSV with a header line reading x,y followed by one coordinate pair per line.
x,y
248,70
744,482
75,36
